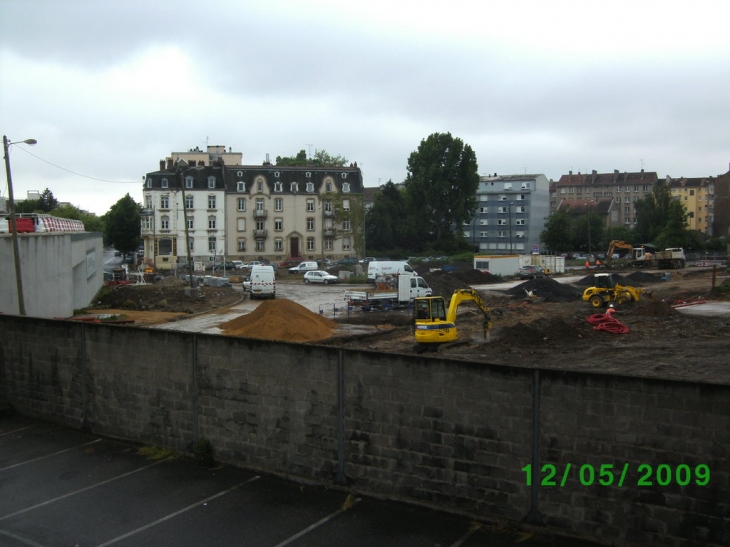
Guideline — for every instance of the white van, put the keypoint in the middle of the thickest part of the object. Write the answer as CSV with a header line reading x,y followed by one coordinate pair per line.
x,y
304,267
263,282
388,268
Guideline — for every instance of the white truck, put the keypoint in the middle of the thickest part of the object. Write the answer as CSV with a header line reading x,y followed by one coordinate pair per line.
x,y
409,287
671,259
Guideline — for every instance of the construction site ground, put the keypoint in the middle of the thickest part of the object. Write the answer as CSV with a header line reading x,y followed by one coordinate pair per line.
x,y
670,335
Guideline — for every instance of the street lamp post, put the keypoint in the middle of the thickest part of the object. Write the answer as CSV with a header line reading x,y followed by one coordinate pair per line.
x,y
13,221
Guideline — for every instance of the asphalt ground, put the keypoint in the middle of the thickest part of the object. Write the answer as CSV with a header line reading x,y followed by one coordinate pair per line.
x,y
62,487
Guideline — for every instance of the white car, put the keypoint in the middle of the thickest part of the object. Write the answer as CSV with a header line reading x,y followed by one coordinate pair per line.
x,y
319,276
238,263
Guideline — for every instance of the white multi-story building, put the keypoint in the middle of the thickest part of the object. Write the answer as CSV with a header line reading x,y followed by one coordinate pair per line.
x,y
250,212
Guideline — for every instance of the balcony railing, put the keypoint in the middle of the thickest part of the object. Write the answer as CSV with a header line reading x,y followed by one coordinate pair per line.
x,y
260,233
260,213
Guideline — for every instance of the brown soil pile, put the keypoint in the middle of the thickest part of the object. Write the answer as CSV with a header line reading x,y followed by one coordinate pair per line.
x,y
281,320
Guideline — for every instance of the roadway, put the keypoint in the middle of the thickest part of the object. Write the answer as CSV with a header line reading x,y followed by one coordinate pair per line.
x,y
61,487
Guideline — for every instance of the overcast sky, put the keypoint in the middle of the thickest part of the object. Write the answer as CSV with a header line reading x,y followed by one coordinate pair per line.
x,y
108,88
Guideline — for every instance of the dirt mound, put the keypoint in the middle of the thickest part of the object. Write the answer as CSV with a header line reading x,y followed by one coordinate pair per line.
x,y
642,277
647,307
167,295
544,287
281,320
539,332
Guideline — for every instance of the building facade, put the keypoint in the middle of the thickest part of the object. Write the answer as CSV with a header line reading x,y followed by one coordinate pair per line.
x,y
612,195
698,196
510,215
249,212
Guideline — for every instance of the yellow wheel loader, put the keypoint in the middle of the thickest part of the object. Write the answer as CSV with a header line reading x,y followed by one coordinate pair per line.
x,y
607,291
434,324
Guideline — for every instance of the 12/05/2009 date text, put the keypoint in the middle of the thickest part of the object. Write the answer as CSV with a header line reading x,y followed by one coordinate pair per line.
x,y
610,475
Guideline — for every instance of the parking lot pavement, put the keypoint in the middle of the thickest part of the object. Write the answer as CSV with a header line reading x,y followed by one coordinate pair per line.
x,y
62,487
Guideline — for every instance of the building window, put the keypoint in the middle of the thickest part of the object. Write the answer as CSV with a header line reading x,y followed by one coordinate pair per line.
x,y
627,199
310,244
483,222
328,187
260,245
310,205
276,174
278,224
211,245
148,201
345,204
483,234
618,189
211,202
328,244
211,222
165,223
502,197
346,224
165,202
310,224
148,183
278,244
507,186
328,206
310,187
260,185
502,222
240,186
308,174
343,175
345,186
520,222
278,204
501,210
164,183
260,225
345,243
191,245
188,182
241,245
241,204
484,210
278,187
211,182
241,224
188,202
191,223
501,233
294,187
259,205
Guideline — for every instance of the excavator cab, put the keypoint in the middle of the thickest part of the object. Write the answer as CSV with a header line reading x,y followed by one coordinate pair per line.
x,y
431,308
434,323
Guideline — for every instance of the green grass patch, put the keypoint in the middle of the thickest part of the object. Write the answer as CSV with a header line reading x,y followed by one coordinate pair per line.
x,y
156,453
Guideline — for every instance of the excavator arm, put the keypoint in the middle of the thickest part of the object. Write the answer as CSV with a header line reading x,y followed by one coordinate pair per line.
x,y
434,324
465,295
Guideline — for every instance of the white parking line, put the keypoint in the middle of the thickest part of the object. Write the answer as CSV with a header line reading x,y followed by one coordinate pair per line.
x,y
47,456
16,430
317,524
176,513
21,540
33,507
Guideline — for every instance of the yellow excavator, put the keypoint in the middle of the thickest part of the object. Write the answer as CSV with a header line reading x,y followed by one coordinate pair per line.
x,y
606,291
434,324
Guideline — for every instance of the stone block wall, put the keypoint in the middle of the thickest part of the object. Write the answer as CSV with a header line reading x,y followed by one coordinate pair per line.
x,y
453,435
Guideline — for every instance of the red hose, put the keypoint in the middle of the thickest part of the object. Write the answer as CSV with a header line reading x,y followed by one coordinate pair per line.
x,y
605,321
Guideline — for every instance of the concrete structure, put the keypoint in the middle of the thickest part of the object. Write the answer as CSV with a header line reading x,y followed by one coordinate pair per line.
x,y
615,459
510,216
610,195
251,212
61,272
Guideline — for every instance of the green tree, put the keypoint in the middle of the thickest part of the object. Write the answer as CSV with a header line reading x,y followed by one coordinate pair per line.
x,y
28,206
386,222
441,187
299,160
122,225
321,157
558,233
47,202
661,220
674,233
588,233
92,223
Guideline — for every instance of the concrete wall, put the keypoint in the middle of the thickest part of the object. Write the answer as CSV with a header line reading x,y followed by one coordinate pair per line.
x,y
61,272
453,435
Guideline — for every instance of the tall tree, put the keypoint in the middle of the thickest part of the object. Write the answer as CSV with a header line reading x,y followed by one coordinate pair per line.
x,y
441,186
92,223
299,160
652,212
558,233
588,233
122,225
674,233
321,157
386,222
47,202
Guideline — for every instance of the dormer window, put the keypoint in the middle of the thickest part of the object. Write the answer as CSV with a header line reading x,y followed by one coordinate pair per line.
x,y
278,187
343,175
239,174
345,186
240,186
188,182
164,183
310,187
294,187
211,182
148,182
308,174
276,174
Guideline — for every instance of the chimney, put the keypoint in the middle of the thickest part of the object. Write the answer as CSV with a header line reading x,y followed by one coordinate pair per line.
x,y
169,164
615,175
594,174
162,165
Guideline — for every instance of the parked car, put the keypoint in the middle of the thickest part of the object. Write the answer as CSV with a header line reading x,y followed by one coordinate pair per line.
x,y
347,261
531,272
324,262
229,266
304,267
239,264
319,276
251,264
290,262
